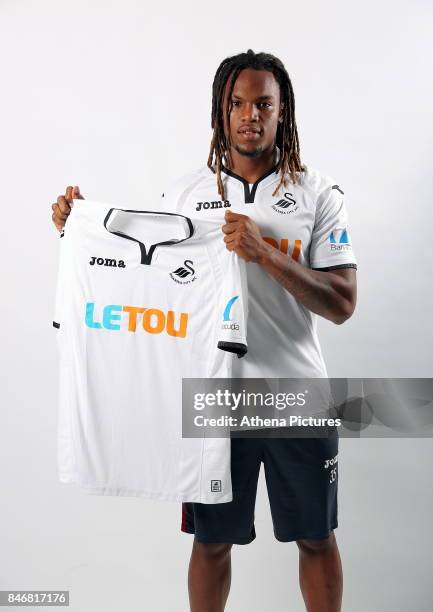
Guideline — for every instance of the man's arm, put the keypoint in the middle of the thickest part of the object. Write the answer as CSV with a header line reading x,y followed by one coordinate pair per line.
x,y
329,294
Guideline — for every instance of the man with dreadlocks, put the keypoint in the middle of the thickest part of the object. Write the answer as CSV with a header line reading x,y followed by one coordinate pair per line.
x,y
289,222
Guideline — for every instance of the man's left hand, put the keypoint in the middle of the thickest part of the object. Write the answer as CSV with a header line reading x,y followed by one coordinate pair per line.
x,y
243,237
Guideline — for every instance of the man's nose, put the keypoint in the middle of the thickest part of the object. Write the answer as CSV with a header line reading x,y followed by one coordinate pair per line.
x,y
251,113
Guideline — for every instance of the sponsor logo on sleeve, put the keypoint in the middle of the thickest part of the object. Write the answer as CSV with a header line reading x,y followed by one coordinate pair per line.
x,y
339,240
228,323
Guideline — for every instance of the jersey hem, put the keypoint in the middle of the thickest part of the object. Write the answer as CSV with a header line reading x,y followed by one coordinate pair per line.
x,y
155,495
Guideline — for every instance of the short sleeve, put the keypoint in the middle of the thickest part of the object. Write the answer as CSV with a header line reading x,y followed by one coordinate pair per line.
x,y
233,306
177,191
167,203
331,244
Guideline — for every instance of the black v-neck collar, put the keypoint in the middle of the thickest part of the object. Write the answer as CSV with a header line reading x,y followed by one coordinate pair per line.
x,y
146,256
249,193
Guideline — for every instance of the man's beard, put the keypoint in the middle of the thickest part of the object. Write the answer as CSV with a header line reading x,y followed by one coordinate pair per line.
x,y
249,152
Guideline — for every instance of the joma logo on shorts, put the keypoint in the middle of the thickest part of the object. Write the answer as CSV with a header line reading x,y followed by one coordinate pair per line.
x,y
333,464
113,263
330,462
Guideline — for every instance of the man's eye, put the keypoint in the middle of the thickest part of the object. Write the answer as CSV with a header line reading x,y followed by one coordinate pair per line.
x,y
264,105
235,103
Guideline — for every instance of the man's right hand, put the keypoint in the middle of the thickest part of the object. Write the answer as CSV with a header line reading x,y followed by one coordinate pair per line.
x,y
62,207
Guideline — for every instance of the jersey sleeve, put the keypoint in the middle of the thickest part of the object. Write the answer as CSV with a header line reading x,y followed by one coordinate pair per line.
x,y
331,245
233,306
177,190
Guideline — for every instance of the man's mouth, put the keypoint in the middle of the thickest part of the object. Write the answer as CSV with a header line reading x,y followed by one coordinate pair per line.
x,y
249,133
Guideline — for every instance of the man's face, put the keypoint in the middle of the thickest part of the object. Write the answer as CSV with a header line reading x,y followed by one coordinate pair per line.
x,y
255,112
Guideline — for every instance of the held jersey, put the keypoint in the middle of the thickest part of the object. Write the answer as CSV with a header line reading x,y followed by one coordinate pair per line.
x,y
307,221
144,299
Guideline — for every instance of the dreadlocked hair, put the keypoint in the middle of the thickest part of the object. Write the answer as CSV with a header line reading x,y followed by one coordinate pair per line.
x,y
289,163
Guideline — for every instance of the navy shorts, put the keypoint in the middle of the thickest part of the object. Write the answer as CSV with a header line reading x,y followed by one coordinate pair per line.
x,y
301,478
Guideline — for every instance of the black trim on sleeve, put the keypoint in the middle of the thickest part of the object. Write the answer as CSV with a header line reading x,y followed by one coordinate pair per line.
x,y
338,188
55,324
233,347
339,267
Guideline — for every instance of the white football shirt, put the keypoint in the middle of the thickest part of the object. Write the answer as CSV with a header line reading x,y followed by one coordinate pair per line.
x,y
143,299
307,221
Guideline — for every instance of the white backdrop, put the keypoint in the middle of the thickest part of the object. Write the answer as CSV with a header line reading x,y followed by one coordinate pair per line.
x,y
115,97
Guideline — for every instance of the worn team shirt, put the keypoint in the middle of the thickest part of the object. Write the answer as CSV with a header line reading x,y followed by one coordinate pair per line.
x,y
307,221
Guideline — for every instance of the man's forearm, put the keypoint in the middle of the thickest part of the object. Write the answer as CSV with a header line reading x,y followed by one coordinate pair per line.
x,y
325,293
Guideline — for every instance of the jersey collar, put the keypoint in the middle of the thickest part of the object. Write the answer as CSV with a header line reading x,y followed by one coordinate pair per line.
x,y
249,189
250,192
146,255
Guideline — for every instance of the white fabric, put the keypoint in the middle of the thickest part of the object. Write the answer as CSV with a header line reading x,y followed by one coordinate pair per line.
x,y
300,219
120,419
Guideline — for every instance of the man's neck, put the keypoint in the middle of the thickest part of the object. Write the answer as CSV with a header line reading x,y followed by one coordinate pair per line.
x,y
251,169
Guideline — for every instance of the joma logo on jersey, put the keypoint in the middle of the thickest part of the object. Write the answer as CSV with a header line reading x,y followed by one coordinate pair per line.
x,y
283,245
212,205
287,205
227,322
100,261
339,240
151,320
